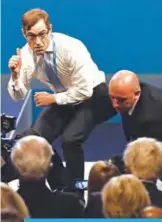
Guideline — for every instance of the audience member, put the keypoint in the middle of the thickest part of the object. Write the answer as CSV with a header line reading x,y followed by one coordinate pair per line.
x,y
9,215
124,197
99,174
151,212
143,158
12,201
32,156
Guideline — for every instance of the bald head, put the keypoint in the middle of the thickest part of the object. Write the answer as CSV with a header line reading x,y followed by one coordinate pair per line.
x,y
125,81
124,85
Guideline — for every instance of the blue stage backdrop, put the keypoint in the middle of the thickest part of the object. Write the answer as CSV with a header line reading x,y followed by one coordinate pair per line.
x,y
120,34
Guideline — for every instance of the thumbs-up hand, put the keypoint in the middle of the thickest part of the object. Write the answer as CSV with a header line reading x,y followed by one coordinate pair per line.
x,y
18,51
15,63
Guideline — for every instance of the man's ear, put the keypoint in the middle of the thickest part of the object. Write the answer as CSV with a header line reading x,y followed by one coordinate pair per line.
x,y
137,94
23,32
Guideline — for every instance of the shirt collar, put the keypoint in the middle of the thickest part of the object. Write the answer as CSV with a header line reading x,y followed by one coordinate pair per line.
x,y
50,47
130,112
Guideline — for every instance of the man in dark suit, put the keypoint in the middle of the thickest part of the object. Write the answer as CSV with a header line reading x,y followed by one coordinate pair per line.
x,y
140,105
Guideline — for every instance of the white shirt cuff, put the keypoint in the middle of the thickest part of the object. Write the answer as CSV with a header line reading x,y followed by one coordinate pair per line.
x,y
17,85
60,99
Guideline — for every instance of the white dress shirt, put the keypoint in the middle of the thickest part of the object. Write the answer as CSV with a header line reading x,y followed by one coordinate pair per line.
x,y
76,71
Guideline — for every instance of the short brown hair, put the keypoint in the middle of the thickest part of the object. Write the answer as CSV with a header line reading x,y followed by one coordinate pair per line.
x,y
99,174
32,16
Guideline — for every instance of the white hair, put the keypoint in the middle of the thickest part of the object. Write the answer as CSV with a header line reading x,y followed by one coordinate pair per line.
x,y
143,157
32,156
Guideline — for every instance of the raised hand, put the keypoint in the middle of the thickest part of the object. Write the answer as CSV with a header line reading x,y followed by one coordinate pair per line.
x,y
15,63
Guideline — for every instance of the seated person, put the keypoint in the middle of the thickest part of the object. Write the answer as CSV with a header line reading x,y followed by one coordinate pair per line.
x,y
99,174
11,200
31,156
124,197
151,212
143,158
9,215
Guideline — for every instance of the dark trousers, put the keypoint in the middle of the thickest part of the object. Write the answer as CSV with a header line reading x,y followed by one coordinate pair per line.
x,y
74,123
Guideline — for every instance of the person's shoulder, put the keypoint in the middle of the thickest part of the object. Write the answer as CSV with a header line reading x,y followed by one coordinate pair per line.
x,y
153,92
25,49
95,196
68,197
67,41
27,53
152,188
65,194
62,36
149,87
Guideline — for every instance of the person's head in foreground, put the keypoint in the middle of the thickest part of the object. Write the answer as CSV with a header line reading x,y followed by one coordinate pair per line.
x,y
99,174
124,197
32,156
151,212
143,158
124,90
10,215
11,200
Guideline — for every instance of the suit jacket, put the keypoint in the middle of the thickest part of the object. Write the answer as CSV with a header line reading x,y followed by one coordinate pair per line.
x,y
43,203
146,119
155,194
94,206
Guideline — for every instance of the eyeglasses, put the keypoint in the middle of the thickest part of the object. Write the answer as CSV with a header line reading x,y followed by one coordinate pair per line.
x,y
33,37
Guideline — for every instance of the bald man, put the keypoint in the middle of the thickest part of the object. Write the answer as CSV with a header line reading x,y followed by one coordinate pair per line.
x,y
139,104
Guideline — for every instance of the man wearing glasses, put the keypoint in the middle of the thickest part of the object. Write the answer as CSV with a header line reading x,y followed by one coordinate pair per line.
x,y
140,105
79,100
